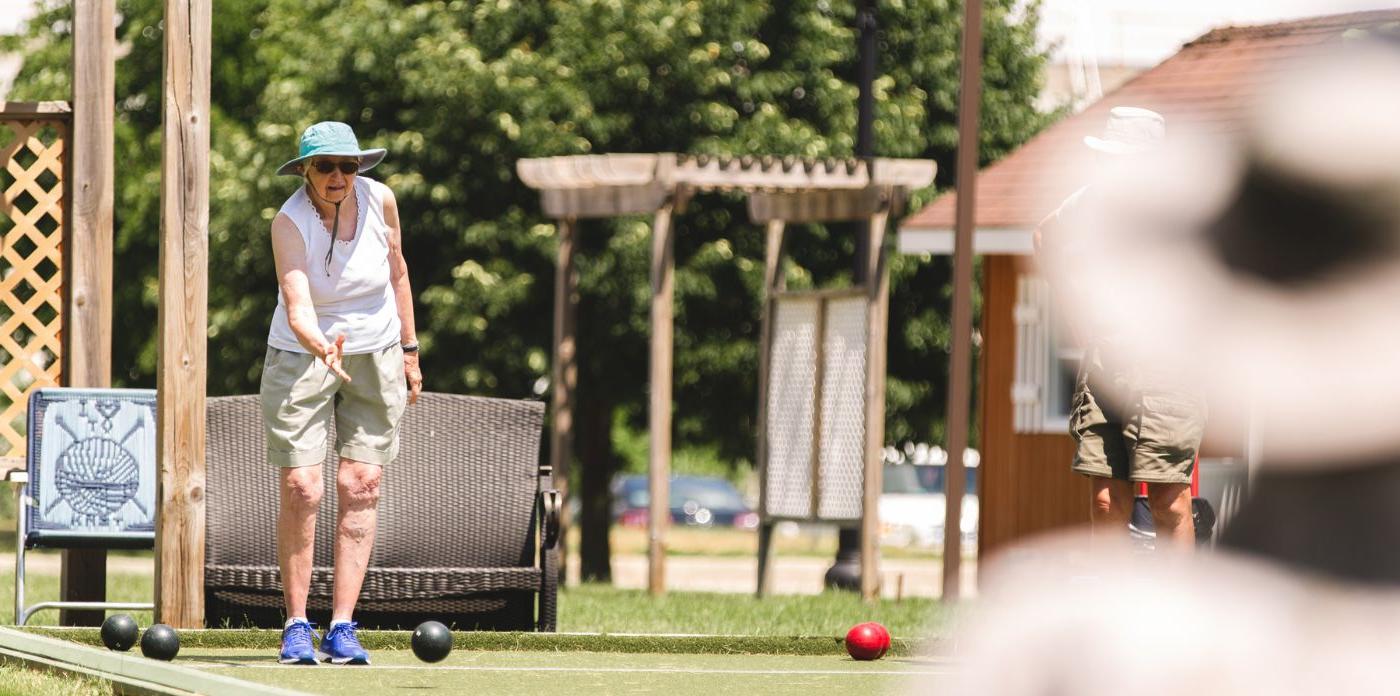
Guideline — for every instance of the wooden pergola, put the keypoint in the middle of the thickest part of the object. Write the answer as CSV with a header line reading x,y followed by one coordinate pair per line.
x,y
779,190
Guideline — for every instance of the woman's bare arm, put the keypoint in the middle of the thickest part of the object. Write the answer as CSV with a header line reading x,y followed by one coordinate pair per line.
x,y
403,295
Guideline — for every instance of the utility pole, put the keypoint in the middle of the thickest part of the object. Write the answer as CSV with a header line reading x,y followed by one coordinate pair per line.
x,y
960,365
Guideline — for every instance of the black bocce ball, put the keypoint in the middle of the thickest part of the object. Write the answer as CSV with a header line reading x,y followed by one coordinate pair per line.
x,y
119,632
431,641
160,642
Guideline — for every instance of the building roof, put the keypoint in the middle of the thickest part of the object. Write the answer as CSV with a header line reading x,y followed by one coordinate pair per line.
x,y
1205,86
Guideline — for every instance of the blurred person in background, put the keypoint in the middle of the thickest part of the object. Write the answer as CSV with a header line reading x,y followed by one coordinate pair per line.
x,y
1130,423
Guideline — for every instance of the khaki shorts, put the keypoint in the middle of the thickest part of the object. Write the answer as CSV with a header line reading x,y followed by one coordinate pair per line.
x,y
1153,437
300,395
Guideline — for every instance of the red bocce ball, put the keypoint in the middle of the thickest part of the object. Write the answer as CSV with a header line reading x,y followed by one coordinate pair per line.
x,y
867,641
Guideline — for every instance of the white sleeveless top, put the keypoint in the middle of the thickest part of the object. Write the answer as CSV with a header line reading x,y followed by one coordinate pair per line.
x,y
356,298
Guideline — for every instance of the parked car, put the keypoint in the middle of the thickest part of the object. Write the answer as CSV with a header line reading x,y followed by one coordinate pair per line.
x,y
700,501
913,508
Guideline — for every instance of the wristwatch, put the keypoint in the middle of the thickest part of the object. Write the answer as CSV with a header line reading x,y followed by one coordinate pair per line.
x,y
410,347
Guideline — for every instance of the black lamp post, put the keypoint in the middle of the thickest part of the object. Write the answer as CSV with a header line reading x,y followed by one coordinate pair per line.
x,y
845,572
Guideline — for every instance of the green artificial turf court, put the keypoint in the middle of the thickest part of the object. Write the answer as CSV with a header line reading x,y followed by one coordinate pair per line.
x,y
539,672
613,641
228,661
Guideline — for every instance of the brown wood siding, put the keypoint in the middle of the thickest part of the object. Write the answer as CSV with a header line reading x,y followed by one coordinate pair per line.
x,y
1026,486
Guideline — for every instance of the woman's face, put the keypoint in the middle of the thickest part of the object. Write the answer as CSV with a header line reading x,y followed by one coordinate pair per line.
x,y
331,177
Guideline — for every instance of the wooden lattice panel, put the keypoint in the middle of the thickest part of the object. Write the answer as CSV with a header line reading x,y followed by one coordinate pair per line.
x,y
31,267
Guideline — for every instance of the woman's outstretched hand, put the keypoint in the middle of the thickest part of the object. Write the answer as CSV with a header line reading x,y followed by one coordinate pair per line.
x,y
335,355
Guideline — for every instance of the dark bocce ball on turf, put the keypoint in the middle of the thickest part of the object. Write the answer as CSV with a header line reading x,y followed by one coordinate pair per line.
x,y
431,641
119,632
160,642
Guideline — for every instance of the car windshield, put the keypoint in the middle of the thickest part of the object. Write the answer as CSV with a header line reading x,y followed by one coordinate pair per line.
x,y
634,491
922,478
715,494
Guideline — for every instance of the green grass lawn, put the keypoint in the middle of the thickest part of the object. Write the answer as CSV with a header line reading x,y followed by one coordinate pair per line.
x,y
605,609
601,608
495,668
19,681
718,541
42,587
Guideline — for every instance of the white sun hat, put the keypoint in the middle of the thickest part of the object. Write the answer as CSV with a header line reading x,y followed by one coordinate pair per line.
x,y
1131,130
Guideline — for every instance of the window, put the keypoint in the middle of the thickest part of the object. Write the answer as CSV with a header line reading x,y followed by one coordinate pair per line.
x,y
1046,362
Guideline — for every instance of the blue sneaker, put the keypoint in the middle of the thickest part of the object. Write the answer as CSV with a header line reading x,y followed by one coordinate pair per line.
x,y
298,644
342,646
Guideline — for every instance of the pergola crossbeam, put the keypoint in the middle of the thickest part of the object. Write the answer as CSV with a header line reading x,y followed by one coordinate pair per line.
x,y
634,184
603,201
819,206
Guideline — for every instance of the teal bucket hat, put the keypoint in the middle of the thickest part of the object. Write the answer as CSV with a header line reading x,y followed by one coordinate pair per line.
x,y
332,138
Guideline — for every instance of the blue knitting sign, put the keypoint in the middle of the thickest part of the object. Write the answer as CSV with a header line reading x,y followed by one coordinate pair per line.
x,y
92,457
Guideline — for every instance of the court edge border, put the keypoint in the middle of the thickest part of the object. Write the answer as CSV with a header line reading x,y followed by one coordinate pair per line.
x,y
571,642
127,673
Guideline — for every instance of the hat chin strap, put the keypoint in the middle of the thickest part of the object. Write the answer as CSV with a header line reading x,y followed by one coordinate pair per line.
x,y
335,226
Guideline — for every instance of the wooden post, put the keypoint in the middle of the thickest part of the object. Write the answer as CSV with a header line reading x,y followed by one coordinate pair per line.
x,y
663,271
877,286
183,317
960,364
773,282
87,311
564,380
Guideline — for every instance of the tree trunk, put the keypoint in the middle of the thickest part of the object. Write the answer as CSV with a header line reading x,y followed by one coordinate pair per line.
x,y
597,464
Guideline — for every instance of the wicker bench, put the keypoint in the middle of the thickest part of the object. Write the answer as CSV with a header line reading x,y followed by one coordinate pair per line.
x,y
468,521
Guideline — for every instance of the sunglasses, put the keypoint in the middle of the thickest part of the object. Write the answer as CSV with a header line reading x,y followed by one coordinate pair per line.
x,y
346,167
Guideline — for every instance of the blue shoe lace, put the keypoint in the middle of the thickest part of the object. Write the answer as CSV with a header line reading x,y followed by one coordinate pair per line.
x,y
298,645
342,645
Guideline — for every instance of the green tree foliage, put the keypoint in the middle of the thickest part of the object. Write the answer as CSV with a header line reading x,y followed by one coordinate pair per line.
x,y
458,91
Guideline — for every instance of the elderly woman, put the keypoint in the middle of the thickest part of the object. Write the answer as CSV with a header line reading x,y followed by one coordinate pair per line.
x,y
341,346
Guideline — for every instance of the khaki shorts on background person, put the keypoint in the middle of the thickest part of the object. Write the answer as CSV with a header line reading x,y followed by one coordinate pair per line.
x,y
300,395
1154,438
